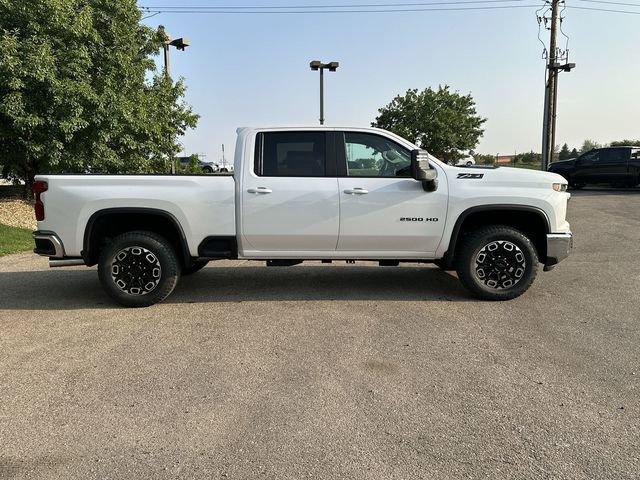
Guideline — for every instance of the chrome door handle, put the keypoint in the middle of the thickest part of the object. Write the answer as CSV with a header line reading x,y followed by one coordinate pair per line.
x,y
259,190
356,191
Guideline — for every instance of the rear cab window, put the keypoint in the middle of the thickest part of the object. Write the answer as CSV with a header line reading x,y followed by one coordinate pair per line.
x,y
291,154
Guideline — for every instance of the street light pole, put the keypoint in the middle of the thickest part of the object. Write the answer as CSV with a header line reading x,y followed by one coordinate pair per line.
x,y
165,47
180,43
318,65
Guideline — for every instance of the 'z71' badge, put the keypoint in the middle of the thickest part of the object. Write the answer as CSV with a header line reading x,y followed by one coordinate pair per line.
x,y
470,175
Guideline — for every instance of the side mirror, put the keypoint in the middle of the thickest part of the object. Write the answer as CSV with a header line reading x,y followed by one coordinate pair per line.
x,y
421,171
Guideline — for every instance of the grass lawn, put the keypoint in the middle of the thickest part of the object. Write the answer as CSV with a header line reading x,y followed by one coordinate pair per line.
x,y
13,240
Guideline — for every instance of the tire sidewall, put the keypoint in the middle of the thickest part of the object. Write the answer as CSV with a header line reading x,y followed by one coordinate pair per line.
x,y
467,273
169,275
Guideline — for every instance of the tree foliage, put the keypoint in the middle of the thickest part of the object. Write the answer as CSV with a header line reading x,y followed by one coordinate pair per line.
x,y
79,93
528,158
626,143
565,153
589,145
440,121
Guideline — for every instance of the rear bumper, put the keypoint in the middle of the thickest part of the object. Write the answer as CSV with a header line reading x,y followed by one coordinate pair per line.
x,y
48,244
559,247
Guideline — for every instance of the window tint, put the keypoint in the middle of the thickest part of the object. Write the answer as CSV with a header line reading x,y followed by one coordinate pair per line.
x,y
614,155
291,154
370,155
590,157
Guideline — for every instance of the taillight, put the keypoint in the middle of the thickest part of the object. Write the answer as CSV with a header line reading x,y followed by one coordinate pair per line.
x,y
38,206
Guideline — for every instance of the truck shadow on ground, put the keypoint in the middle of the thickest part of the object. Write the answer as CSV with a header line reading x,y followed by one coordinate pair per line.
x,y
71,289
595,191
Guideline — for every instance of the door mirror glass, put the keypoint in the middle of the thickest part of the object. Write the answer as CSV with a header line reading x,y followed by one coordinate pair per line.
x,y
421,171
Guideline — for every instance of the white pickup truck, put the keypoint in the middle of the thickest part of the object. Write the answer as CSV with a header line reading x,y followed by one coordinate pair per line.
x,y
308,194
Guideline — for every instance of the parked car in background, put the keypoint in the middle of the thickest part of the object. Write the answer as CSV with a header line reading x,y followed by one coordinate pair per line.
x,y
466,161
225,167
207,167
617,166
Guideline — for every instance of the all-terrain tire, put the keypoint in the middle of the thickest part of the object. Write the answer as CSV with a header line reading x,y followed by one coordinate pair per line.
x,y
138,269
503,273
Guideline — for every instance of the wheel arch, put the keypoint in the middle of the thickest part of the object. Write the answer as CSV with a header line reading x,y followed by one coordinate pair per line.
x,y
526,218
109,222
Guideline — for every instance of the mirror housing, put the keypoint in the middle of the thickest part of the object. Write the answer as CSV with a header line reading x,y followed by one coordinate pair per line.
x,y
421,171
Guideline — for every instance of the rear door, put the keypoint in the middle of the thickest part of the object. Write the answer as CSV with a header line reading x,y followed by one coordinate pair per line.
x,y
290,197
383,209
612,165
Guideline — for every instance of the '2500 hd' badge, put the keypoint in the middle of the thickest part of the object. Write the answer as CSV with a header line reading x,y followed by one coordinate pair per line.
x,y
418,219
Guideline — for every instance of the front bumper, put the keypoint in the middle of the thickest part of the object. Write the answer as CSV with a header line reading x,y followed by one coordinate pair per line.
x,y
559,247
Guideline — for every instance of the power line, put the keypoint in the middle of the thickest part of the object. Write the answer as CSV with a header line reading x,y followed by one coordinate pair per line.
x,y
612,3
603,10
300,7
268,12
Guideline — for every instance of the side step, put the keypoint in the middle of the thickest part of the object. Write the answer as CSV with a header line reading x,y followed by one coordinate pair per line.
x,y
282,263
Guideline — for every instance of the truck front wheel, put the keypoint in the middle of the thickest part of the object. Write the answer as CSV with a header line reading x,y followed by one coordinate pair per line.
x,y
138,269
497,263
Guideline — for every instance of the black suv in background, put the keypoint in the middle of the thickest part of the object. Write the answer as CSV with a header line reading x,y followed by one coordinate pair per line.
x,y
617,166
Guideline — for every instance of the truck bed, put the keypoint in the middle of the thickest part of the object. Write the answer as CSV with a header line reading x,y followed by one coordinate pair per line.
x,y
203,204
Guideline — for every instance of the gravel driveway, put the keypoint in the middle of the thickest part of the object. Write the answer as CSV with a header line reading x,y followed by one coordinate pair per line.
x,y
319,371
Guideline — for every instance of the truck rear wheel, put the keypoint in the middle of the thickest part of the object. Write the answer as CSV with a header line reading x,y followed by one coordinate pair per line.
x,y
138,269
497,263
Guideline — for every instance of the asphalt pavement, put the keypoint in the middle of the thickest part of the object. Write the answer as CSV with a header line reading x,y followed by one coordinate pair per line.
x,y
330,372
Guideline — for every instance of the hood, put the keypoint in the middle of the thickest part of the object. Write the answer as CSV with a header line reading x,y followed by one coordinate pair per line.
x,y
509,175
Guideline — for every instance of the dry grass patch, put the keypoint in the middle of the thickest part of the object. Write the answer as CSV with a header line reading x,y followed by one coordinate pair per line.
x,y
17,213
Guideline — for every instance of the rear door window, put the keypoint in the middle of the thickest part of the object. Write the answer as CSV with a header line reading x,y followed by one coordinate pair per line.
x,y
291,154
614,155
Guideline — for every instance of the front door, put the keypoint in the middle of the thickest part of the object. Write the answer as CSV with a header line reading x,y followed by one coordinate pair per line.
x,y
290,197
382,209
585,168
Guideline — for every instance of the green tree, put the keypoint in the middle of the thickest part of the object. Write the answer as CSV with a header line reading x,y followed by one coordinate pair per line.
x,y
484,159
79,92
589,145
528,158
440,121
565,153
574,153
625,143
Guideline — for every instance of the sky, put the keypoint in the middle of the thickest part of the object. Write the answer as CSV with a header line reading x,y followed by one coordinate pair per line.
x,y
253,70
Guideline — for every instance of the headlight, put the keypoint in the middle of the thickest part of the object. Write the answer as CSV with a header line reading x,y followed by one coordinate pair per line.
x,y
559,187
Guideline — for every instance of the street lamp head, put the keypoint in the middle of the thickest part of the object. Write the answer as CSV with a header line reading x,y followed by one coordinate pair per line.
x,y
315,65
333,66
180,43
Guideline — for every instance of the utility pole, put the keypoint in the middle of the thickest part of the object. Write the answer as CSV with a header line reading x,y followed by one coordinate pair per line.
x,y
318,65
551,89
